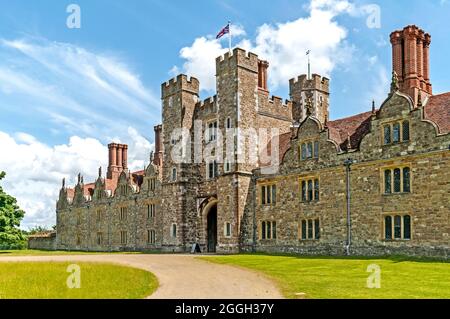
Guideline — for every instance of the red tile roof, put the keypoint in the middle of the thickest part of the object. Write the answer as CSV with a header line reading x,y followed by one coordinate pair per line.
x,y
438,111
355,126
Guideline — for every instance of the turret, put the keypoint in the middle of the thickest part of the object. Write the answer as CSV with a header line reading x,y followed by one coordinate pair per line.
x,y
310,97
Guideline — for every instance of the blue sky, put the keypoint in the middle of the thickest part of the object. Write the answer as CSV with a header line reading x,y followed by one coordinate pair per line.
x,y
65,93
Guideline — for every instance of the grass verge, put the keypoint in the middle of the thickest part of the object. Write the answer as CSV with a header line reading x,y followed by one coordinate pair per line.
x,y
346,278
48,280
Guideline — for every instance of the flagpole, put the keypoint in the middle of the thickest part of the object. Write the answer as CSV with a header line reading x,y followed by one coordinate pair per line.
x,y
229,36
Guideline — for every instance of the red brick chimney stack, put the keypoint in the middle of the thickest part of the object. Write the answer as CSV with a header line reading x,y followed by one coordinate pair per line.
x,y
118,159
262,74
158,156
411,60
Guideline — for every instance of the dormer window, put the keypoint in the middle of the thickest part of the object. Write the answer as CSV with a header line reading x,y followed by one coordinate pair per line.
x,y
396,132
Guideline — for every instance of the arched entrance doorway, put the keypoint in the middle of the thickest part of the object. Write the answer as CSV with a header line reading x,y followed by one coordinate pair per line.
x,y
212,229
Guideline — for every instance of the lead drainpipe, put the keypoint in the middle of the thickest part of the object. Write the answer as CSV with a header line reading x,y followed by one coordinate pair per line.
x,y
348,163
254,182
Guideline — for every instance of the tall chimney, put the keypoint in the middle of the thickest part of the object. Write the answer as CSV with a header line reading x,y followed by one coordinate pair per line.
x,y
410,60
262,74
125,156
118,158
158,157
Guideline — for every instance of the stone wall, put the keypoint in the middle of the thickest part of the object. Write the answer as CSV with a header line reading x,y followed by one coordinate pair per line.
x,y
42,241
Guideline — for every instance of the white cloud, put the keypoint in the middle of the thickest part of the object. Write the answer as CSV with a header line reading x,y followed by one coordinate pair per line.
x,y
35,170
74,89
284,45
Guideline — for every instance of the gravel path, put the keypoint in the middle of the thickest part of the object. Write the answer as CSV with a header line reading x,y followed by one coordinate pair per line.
x,y
183,276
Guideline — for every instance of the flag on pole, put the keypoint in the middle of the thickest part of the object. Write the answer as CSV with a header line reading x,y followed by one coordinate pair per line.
x,y
308,52
224,31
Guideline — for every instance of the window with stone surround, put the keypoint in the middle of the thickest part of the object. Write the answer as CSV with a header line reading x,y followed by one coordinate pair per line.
x,y
397,227
123,237
309,150
309,189
151,236
173,230
268,194
78,240
123,213
99,215
227,229
268,230
151,184
227,166
310,229
174,175
99,238
228,123
396,180
212,170
123,190
212,131
396,132
151,210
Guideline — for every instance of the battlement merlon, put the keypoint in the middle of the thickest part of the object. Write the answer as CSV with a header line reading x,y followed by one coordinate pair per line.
x,y
180,83
238,58
302,83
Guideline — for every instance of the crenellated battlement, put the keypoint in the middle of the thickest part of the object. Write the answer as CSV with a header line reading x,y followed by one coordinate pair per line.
x,y
206,103
238,58
274,105
180,83
317,82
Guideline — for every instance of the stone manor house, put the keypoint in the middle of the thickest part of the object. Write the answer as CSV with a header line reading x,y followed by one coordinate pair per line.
x,y
371,184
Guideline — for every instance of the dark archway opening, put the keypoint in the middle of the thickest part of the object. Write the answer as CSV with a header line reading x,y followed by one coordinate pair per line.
x,y
212,229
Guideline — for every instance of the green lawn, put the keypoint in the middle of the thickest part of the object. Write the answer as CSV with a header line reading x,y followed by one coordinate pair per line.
x,y
336,278
48,280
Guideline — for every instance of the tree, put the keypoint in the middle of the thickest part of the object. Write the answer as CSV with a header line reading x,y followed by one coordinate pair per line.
x,y
11,237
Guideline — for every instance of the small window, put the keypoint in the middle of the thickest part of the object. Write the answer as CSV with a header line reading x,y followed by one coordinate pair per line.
x,y
151,211
227,230
396,133
387,182
269,194
99,215
406,180
173,231
151,237
309,150
310,229
174,174
152,184
387,134
212,131
228,123
304,232
123,237
213,170
78,240
263,230
303,151
268,230
397,180
388,227
227,166
310,190
99,239
123,213
405,126
316,149
397,227
406,227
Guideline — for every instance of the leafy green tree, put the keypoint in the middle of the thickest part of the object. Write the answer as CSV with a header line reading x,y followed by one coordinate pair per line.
x,y
38,230
11,237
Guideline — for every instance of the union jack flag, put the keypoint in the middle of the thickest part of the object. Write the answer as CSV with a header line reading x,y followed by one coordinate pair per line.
x,y
224,31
